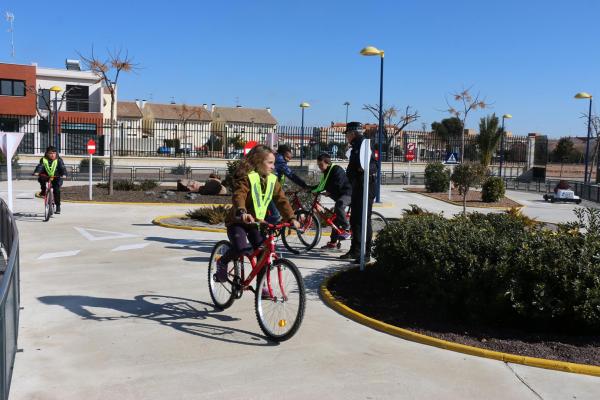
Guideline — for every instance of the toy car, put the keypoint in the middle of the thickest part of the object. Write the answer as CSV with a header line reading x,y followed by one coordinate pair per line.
x,y
565,195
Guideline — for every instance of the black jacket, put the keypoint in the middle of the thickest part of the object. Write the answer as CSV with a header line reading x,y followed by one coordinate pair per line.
x,y
61,170
337,184
354,172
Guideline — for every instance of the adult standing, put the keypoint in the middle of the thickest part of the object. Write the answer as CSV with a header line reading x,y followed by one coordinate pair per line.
x,y
355,174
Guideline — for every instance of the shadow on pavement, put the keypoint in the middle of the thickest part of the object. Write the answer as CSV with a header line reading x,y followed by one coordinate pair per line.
x,y
175,312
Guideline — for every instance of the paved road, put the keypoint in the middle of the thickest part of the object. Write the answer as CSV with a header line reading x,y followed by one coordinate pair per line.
x,y
116,308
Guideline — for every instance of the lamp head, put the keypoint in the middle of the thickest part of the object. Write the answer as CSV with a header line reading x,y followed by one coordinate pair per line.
x,y
583,95
56,89
507,116
371,51
304,105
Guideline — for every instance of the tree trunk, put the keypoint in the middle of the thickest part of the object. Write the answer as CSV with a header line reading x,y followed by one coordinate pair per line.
x,y
465,202
184,149
111,146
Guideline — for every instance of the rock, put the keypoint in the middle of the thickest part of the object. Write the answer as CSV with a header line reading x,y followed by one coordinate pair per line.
x,y
164,196
149,193
170,193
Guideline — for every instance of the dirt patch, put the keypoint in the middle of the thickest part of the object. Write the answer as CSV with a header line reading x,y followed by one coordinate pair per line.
x,y
368,294
473,198
162,194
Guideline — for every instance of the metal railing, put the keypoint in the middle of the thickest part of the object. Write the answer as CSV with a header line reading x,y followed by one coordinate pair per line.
x,y
9,297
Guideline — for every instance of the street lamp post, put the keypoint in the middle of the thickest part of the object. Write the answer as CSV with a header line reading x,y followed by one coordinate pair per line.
x,y
505,116
56,90
373,51
347,104
584,95
303,105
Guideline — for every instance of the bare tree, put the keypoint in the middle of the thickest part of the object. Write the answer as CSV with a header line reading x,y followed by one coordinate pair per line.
x,y
46,103
108,71
595,133
185,114
394,120
465,104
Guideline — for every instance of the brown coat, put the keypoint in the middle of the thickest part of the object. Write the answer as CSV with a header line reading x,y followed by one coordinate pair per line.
x,y
242,198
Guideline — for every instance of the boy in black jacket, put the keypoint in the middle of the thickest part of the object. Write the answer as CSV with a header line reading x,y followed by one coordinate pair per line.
x,y
335,184
51,165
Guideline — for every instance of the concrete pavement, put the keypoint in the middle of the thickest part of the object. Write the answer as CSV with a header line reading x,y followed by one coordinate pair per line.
x,y
115,307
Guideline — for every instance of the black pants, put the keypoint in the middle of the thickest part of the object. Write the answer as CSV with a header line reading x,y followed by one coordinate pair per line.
x,y
340,211
56,184
239,235
356,217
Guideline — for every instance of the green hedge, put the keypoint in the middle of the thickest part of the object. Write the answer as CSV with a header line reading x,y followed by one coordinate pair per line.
x,y
492,189
495,269
437,177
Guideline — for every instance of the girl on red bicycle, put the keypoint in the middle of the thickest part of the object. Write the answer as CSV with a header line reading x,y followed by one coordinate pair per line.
x,y
51,166
253,189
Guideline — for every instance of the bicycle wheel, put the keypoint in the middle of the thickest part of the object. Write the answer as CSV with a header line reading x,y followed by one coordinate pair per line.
x,y
222,293
48,201
378,222
309,235
280,313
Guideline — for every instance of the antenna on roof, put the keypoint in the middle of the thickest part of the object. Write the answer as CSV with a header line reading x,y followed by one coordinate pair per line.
x,y
10,17
237,101
172,99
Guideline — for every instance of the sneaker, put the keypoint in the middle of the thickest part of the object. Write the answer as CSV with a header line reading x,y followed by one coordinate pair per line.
x,y
345,235
265,295
348,256
57,211
330,245
221,274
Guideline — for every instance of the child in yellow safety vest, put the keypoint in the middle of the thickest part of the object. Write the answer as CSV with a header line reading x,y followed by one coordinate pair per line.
x,y
254,187
335,185
51,166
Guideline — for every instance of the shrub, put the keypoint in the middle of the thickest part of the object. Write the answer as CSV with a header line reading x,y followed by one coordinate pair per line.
x,y
232,166
213,215
415,210
492,189
467,176
494,268
148,184
437,178
124,184
181,170
97,164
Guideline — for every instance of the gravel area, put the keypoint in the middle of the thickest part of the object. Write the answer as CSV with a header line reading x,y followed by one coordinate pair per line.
x,y
161,194
473,198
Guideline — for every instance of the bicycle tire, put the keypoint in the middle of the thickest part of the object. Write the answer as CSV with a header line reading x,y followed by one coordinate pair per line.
x,y
48,200
378,222
221,293
302,241
280,318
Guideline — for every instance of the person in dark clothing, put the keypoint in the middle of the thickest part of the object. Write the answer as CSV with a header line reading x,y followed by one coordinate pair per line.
x,y
335,185
283,171
51,165
355,174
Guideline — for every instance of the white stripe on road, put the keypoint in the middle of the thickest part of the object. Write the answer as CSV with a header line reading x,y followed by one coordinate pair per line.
x,y
92,234
59,254
130,247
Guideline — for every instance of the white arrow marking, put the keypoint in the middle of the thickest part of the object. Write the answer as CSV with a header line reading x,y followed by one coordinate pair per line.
x,y
92,234
59,254
130,247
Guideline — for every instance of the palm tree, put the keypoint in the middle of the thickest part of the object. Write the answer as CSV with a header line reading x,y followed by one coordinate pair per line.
x,y
488,139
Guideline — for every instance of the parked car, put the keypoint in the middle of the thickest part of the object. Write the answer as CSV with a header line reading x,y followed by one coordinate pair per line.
x,y
165,150
565,195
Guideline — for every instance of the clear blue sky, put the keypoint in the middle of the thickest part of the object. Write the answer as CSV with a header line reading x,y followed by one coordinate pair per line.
x,y
527,57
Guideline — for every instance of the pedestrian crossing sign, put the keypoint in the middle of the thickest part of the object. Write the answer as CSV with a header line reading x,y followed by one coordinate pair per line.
x,y
451,158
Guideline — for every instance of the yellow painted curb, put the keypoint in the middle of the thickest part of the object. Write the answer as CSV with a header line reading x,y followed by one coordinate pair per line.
x,y
158,221
145,203
519,207
444,344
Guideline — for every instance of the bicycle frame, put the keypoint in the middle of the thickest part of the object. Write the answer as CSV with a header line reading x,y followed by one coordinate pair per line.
x,y
328,216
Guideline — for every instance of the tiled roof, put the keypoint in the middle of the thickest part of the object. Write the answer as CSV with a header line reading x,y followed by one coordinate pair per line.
x,y
244,115
128,109
177,112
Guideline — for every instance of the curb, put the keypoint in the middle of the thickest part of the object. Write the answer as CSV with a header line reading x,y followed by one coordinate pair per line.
x,y
158,221
452,346
519,207
124,203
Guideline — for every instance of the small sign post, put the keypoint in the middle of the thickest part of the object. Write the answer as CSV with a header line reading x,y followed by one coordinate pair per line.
x,y
410,155
451,160
91,148
365,160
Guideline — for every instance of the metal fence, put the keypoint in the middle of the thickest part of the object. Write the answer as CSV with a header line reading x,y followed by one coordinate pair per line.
x,y
9,297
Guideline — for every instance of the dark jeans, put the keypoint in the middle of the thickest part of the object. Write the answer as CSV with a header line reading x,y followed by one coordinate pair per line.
x,y
273,215
356,217
239,235
56,184
340,211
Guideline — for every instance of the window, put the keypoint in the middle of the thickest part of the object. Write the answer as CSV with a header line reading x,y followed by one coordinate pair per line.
x,y
10,87
77,98
44,99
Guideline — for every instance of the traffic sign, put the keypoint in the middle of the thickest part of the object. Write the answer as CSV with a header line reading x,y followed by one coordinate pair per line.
x,y
451,158
249,146
91,147
365,152
410,156
411,147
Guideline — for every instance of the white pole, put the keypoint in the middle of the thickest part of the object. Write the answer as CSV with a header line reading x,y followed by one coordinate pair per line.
x,y
9,182
450,184
90,177
409,172
365,200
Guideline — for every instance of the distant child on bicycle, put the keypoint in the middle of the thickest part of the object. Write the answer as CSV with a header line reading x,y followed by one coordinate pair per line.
x,y
253,189
282,171
335,185
51,166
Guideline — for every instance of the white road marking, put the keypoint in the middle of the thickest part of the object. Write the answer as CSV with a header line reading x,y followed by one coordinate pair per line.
x,y
59,254
92,234
130,247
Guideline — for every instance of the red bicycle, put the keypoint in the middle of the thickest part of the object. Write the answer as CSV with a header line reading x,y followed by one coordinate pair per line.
x,y
49,205
312,220
279,292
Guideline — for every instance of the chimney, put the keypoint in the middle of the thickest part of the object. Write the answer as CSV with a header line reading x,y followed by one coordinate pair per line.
x,y
143,104
138,103
269,110
238,106
34,64
212,107
205,106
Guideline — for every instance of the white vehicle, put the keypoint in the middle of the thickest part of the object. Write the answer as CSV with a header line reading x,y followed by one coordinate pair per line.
x,y
565,195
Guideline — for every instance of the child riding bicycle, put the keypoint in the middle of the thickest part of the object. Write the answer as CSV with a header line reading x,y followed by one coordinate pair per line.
x,y
51,166
253,189
335,185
